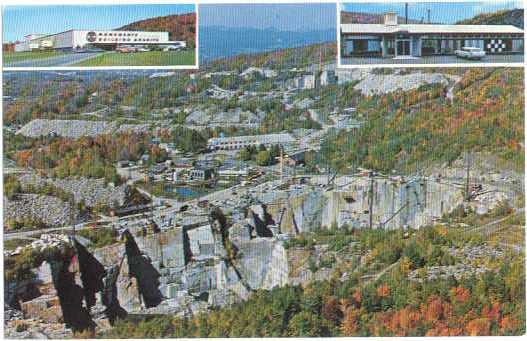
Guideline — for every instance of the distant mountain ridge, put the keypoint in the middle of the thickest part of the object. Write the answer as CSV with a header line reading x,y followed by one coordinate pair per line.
x,y
179,27
220,42
505,17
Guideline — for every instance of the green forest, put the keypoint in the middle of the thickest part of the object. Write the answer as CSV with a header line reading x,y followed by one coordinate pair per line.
x,y
408,131
488,304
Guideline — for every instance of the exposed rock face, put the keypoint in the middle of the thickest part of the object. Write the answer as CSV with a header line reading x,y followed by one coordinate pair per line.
x,y
220,261
411,203
259,220
109,295
263,264
145,274
45,307
92,273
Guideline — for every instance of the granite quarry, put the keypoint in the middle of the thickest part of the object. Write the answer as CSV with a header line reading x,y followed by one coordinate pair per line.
x,y
213,228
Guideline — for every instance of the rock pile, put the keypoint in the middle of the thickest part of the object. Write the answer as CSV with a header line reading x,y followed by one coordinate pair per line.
x,y
94,191
383,84
471,258
48,209
65,128
457,271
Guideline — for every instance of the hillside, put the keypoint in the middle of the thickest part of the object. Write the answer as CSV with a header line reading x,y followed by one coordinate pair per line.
x,y
422,128
368,18
278,59
180,27
505,17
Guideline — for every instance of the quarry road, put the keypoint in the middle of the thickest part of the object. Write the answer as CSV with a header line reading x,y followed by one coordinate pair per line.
x,y
489,228
28,234
62,60
375,277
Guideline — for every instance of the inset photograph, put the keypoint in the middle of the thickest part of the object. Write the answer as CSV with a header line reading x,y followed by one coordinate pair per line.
x,y
162,36
431,33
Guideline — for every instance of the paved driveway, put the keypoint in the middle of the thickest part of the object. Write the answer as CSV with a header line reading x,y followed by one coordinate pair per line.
x,y
62,60
503,58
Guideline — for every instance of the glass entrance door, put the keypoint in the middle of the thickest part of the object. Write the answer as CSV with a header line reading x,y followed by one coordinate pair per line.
x,y
403,47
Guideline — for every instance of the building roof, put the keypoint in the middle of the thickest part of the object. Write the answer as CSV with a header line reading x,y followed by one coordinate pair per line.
x,y
46,35
428,28
269,138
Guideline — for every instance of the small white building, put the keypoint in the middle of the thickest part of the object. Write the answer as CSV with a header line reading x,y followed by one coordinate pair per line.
x,y
305,82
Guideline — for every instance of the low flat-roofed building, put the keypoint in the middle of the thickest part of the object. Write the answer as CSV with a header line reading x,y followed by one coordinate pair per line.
x,y
233,172
239,142
105,39
202,173
392,39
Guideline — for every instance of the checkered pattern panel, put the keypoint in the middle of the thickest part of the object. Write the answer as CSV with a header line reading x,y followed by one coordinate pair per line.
x,y
496,45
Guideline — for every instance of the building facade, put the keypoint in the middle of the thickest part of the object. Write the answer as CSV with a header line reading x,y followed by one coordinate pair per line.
x,y
240,142
392,39
105,39
202,173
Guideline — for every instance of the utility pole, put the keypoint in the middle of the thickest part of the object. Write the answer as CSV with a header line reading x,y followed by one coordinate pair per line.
x,y
406,203
327,169
468,161
428,15
370,201
281,164
425,191
72,213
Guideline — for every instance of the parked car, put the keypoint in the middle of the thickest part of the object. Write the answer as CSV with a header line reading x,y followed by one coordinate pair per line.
x,y
174,47
143,49
126,49
470,53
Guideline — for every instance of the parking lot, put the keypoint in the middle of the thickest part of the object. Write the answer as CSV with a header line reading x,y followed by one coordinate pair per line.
x,y
449,59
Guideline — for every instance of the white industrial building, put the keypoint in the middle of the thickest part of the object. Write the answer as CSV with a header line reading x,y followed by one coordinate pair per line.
x,y
239,142
105,39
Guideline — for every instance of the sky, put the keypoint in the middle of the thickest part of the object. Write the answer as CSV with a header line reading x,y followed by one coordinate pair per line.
x,y
440,12
282,17
19,21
